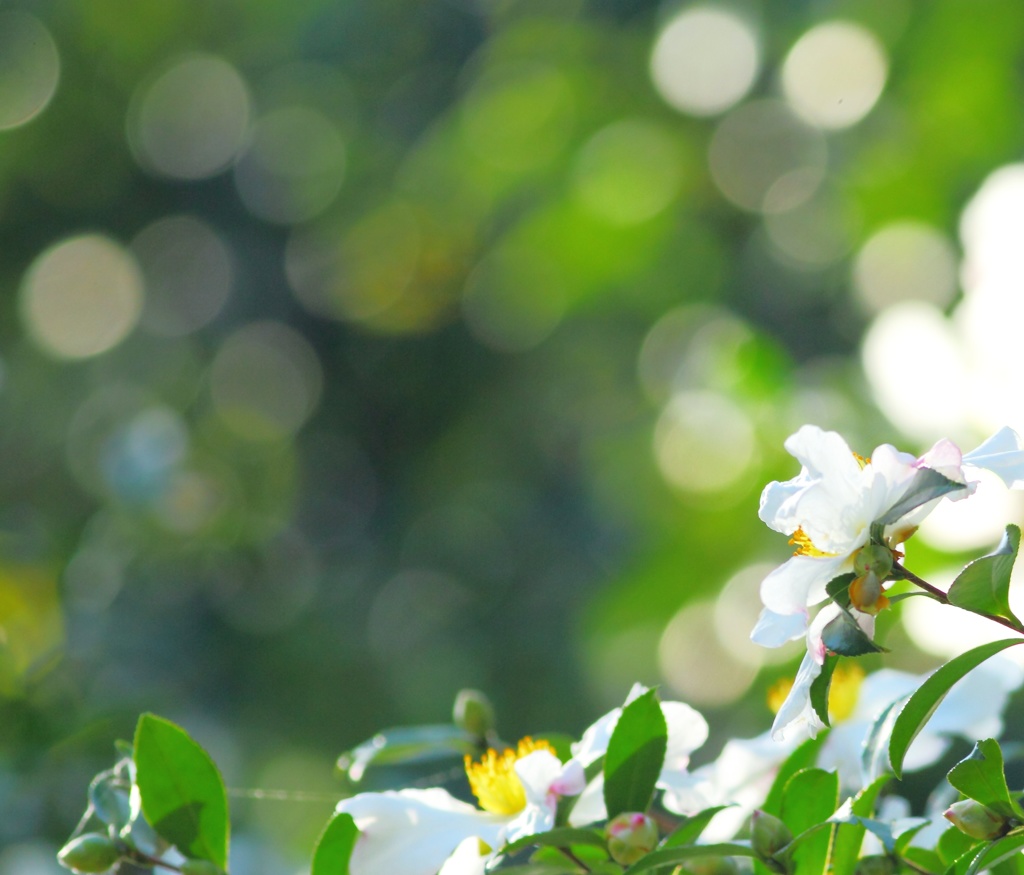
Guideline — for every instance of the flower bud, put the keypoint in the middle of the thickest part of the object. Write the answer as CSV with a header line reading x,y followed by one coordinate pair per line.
x,y
874,559
90,852
474,713
631,835
710,866
876,864
866,594
200,867
768,834
974,819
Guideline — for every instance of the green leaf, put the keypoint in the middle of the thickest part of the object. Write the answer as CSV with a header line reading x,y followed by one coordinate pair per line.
x,y
980,777
809,800
848,838
334,847
801,758
820,687
995,852
690,829
183,796
636,752
983,587
873,756
109,795
953,844
664,857
844,636
404,745
555,838
922,703
838,589
927,484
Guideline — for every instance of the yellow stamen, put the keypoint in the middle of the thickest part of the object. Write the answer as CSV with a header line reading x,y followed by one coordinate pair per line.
x,y
844,690
777,693
804,547
494,781
862,461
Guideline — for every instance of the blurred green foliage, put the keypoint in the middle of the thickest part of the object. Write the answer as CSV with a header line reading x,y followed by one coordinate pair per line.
x,y
355,353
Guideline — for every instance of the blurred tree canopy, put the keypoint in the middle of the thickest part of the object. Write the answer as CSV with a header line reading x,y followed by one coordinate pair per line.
x,y
354,353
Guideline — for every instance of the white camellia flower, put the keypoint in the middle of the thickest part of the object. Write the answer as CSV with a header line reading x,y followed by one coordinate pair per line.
x,y
415,832
829,509
687,731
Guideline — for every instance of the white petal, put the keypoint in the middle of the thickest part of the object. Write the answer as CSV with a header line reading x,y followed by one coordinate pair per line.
x,y
1003,454
687,730
800,582
796,717
589,807
467,859
774,630
413,832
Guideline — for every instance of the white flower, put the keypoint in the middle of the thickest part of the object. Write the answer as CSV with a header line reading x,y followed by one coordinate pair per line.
x,y
687,730
972,709
414,832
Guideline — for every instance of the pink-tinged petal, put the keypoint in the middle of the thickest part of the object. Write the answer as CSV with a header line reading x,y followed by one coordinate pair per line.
x,y
774,630
1003,455
572,781
413,832
800,582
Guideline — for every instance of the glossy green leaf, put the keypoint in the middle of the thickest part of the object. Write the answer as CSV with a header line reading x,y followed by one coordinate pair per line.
x,y
846,842
334,847
810,799
109,796
821,686
690,829
995,852
665,857
926,485
922,704
984,585
953,844
838,589
636,752
562,837
801,758
980,776
874,758
183,796
844,636
405,745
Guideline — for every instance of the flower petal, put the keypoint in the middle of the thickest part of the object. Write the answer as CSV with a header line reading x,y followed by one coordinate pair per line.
x,y
774,630
413,832
1003,455
800,582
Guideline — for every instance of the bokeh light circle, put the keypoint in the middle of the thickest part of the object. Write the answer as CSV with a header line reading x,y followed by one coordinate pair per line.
x,y
29,68
293,167
265,381
704,442
188,270
705,60
834,74
192,120
81,297
763,158
905,261
628,172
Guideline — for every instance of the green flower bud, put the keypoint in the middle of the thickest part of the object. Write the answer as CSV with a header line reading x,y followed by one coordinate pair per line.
x,y
631,835
90,852
711,866
768,834
873,559
876,864
474,713
200,867
974,819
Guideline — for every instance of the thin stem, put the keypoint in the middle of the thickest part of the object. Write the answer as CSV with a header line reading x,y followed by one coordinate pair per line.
x,y
574,859
902,573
